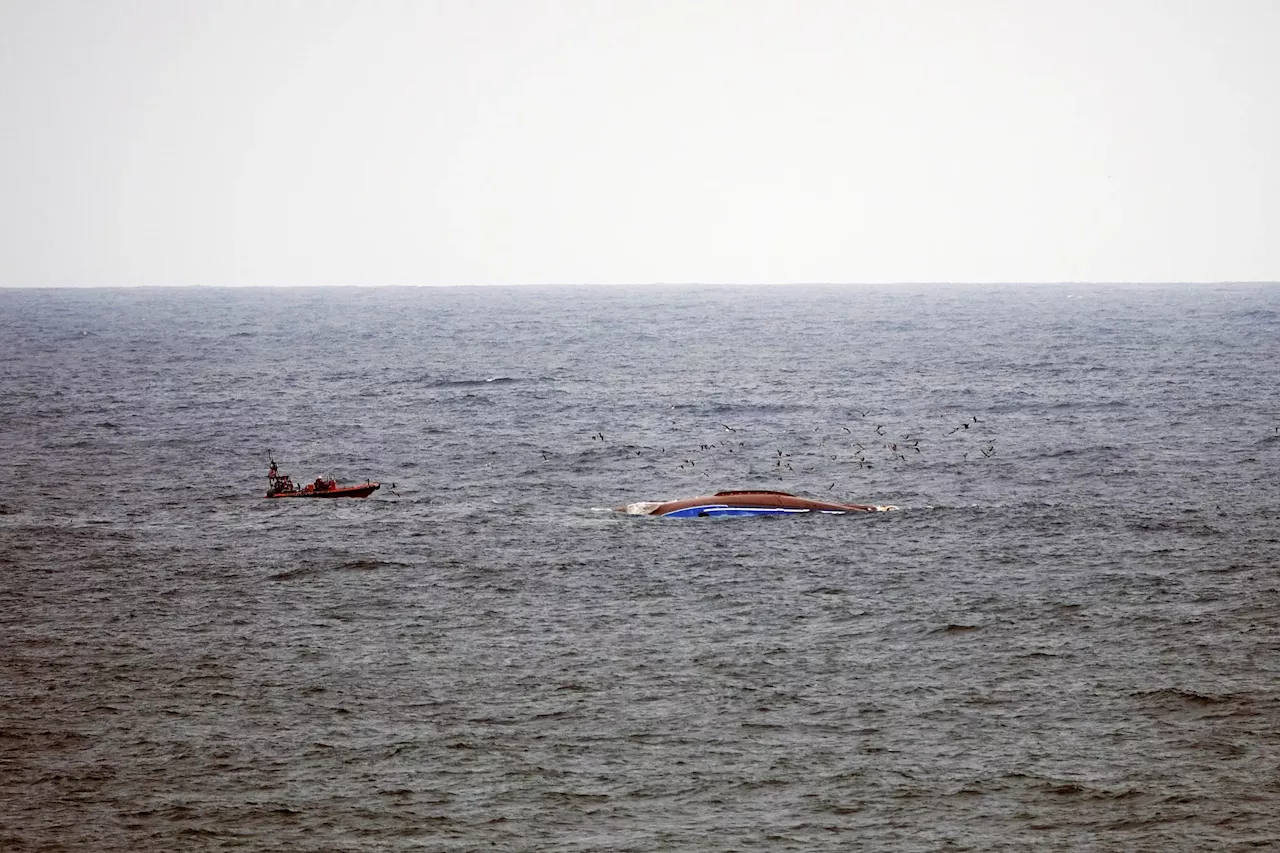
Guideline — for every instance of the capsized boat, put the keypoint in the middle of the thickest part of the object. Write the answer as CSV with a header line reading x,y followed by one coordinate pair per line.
x,y
746,502
281,486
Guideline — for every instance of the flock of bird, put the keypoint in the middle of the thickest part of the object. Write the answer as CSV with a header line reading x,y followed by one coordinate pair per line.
x,y
863,441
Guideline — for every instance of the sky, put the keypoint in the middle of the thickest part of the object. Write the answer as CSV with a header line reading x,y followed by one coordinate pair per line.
x,y
472,142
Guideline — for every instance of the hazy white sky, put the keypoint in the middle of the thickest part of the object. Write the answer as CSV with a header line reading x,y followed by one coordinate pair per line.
x,y
253,142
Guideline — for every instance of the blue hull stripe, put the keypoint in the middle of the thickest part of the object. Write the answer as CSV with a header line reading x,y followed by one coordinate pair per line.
x,y
716,510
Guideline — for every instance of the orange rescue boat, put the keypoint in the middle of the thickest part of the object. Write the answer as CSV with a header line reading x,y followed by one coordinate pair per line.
x,y
281,486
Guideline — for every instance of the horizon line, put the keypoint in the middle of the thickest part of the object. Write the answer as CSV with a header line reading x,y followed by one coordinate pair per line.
x,y
905,283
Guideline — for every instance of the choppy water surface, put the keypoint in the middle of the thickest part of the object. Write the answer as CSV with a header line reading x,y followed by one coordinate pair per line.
x,y
1066,639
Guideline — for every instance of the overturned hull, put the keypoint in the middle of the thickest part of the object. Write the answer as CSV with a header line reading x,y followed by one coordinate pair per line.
x,y
740,503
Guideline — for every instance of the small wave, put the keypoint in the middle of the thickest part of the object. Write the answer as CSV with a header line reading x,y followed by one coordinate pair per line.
x,y
358,565
470,399
955,628
574,687
841,808
1069,452
553,715
466,383
1068,789
370,565
1187,696
762,784
290,574
1075,789
430,381
1089,405
576,796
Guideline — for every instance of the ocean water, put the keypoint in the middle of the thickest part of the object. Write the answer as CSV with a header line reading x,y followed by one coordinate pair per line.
x,y
1066,638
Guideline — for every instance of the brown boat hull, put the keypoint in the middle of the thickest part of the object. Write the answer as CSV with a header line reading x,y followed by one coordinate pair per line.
x,y
745,503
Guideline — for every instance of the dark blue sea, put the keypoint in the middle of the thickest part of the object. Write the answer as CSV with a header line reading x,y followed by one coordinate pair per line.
x,y
1066,638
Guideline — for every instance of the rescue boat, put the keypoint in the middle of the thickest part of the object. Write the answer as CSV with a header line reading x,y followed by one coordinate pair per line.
x,y
281,486
746,502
